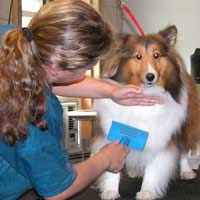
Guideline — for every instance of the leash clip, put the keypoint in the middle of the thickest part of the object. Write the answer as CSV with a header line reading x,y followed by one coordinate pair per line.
x,y
122,3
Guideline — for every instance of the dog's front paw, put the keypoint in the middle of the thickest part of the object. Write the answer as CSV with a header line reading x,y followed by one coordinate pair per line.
x,y
109,195
188,175
145,196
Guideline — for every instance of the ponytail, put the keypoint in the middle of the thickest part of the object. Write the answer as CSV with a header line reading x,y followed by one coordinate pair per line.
x,y
22,96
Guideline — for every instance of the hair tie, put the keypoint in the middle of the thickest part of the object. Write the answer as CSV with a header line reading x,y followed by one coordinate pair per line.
x,y
28,33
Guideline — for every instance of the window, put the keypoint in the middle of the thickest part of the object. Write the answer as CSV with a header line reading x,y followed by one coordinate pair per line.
x,y
29,8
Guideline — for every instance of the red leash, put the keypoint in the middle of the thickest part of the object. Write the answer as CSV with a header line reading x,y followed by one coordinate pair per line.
x,y
133,18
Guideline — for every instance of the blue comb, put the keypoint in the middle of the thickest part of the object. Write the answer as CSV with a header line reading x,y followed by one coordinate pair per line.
x,y
128,135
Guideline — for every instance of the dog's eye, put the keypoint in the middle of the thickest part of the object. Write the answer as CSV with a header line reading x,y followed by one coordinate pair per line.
x,y
156,55
138,56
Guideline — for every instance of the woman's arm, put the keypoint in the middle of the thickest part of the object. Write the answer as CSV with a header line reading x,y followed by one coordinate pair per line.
x,y
89,87
93,88
111,157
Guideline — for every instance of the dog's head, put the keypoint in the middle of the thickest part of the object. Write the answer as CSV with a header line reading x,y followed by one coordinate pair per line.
x,y
147,61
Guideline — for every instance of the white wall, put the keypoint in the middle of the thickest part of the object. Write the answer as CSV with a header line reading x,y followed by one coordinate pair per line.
x,y
154,15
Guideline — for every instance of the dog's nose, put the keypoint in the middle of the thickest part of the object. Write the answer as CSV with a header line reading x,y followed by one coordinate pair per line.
x,y
150,77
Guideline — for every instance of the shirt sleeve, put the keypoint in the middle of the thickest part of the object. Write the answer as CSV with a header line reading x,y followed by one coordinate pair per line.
x,y
46,163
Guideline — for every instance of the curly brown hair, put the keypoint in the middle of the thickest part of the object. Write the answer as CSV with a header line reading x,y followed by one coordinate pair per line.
x,y
67,33
22,98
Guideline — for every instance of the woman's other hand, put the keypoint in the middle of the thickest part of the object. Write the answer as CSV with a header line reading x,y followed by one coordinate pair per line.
x,y
114,155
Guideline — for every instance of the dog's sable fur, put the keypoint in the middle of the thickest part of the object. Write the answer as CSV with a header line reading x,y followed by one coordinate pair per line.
x,y
152,63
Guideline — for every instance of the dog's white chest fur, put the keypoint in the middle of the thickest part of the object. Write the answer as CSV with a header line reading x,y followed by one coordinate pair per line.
x,y
160,121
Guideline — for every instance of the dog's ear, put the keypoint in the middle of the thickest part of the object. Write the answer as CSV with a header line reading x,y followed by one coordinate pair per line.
x,y
113,62
170,35
120,39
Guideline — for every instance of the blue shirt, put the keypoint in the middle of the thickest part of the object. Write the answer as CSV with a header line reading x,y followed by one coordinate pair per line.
x,y
40,161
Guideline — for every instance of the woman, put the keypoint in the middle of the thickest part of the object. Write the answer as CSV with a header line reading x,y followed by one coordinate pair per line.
x,y
62,41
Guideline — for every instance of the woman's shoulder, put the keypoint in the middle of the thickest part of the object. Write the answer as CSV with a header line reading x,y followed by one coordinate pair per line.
x,y
37,139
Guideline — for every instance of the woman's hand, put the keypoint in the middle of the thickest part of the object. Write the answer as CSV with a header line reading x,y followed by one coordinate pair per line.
x,y
131,96
114,155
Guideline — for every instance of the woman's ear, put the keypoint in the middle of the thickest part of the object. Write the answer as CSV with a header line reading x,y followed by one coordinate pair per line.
x,y
52,72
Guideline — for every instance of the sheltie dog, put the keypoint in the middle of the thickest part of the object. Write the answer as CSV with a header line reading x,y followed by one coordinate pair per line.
x,y
152,63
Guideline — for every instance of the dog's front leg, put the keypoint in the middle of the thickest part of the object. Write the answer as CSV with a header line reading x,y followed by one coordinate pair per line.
x,y
158,173
108,184
186,171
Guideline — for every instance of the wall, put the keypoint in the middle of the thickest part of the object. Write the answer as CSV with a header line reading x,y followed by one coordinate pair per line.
x,y
154,15
4,11
112,12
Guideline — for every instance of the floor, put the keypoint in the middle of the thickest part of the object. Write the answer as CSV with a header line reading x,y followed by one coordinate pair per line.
x,y
178,190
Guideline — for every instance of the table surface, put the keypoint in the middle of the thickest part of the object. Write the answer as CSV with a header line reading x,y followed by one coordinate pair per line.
x,y
178,190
